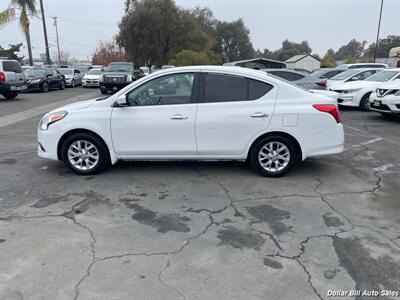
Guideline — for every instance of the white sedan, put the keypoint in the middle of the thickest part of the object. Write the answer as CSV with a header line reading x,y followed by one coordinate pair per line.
x,y
92,78
357,93
195,113
386,99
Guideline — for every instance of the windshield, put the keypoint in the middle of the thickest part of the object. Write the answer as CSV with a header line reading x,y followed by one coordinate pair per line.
x,y
120,68
344,75
382,76
34,72
94,72
66,71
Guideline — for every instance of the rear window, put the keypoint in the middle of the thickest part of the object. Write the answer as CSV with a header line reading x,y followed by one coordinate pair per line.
x,y
12,66
228,88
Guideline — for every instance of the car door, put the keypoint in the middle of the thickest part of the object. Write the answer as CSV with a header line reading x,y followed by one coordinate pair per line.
x,y
231,111
158,120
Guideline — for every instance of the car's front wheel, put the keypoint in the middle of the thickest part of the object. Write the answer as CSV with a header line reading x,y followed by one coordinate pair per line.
x,y
364,103
84,153
273,156
73,83
62,85
45,87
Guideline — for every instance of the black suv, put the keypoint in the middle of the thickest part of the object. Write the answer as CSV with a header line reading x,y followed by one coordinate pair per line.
x,y
118,75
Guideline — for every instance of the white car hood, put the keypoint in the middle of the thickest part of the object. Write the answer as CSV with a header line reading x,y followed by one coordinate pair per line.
x,y
360,84
91,77
392,85
75,106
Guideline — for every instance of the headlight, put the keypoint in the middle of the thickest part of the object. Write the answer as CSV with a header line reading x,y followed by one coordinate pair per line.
x,y
352,91
101,78
34,81
129,78
47,120
397,93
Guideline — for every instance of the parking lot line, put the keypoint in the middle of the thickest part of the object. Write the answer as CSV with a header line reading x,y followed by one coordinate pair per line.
x,y
37,111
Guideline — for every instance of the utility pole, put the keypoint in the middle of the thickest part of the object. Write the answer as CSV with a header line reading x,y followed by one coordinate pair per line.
x,y
48,61
58,43
377,35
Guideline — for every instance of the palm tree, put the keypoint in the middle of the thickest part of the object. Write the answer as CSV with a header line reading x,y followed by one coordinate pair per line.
x,y
26,8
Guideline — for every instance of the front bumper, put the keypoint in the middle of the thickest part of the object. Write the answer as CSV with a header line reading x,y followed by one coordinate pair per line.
x,y
390,104
105,86
91,83
48,142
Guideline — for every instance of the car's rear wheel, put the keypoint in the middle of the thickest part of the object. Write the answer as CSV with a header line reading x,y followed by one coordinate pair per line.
x,y
364,103
62,85
10,95
273,156
45,87
84,153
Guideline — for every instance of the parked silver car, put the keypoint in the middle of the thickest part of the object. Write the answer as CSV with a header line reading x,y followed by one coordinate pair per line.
x,y
12,80
73,77
308,82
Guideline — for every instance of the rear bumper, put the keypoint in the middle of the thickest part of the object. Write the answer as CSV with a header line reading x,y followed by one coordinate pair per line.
x,y
13,87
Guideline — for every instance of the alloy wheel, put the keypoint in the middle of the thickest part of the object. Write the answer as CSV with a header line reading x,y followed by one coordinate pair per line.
x,y
274,156
83,155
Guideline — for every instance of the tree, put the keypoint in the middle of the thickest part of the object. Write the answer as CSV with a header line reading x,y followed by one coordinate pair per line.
x,y
384,46
12,52
328,61
233,41
26,7
106,53
353,49
193,58
153,31
290,49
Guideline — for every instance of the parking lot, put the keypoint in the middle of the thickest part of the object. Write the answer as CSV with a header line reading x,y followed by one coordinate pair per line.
x,y
197,230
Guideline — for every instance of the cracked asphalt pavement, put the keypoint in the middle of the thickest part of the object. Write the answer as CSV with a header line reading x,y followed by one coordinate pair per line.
x,y
197,230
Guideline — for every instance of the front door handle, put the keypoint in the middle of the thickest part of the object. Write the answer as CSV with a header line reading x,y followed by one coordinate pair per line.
x,y
259,115
178,117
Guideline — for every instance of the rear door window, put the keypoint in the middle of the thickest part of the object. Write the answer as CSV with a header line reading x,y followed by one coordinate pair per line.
x,y
223,88
228,88
12,66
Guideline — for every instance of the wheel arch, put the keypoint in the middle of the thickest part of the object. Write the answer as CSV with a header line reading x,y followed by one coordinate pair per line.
x,y
113,158
296,143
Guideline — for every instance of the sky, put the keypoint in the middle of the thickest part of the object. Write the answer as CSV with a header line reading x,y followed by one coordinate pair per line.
x,y
325,24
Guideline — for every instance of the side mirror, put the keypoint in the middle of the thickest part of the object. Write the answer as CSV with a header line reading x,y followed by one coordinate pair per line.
x,y
48,75
121,101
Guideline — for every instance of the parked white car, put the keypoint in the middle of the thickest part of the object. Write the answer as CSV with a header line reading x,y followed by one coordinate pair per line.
x,y
357,93
386,98
195,113
351,75
92,78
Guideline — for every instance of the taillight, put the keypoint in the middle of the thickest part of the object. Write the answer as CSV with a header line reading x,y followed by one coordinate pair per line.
x,y
322,83
2,76
330,109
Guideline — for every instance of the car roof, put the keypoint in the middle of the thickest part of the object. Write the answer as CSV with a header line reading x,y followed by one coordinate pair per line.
x,y
284,70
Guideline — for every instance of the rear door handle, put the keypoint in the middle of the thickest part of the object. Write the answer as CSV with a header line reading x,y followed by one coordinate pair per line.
x,y
259,115
178,117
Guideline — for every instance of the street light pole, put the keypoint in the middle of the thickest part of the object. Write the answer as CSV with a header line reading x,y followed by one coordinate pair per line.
x,y
48,61
377,34
58,43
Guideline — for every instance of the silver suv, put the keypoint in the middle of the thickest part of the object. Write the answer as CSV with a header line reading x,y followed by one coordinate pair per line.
x,y
12,79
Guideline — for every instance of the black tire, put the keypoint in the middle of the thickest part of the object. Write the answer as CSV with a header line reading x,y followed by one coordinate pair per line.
x,y
104,92
255,152
62,85
104,158
10,95
364,103
45,87
73,83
